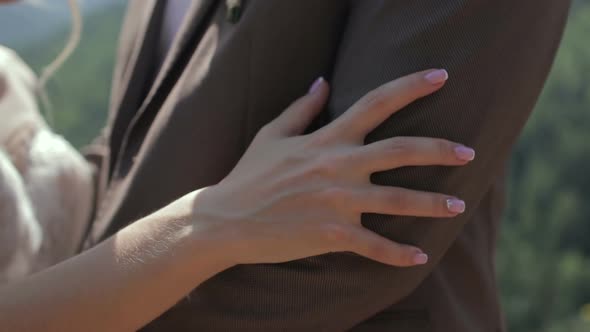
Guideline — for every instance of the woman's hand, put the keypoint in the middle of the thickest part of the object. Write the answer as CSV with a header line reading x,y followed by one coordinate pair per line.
x,y
293,196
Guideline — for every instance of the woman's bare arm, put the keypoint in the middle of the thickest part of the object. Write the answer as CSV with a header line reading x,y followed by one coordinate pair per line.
x,y
121,284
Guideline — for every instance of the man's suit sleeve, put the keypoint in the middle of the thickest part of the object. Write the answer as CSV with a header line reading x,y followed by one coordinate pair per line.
x,y
498,54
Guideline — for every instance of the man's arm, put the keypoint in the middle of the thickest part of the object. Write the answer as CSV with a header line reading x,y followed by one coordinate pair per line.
x,y
498,54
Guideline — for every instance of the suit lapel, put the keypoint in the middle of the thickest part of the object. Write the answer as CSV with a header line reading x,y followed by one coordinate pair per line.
x,y
192,28
134,73
142,57
184,39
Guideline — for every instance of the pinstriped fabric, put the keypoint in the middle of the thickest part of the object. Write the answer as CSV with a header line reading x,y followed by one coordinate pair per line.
x,y
497,52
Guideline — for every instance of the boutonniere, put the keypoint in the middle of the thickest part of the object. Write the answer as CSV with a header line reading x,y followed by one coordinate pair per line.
x,y
234,10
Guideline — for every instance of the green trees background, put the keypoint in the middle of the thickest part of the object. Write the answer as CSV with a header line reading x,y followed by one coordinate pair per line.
x,y
80,91
544,252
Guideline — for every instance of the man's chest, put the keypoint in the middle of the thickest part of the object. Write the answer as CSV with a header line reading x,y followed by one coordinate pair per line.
x,y
221,81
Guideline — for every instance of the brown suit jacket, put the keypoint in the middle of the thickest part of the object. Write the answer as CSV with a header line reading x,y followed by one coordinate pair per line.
x,y
183,127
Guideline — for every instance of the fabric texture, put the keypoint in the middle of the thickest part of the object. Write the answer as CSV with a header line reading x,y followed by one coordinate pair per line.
x,y
45,184
185,126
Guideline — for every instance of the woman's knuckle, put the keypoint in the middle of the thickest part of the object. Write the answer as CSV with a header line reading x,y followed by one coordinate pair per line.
x,y
336,233
401,147
317,139
266,130
298,156
335,194
377,251
375,99
347,157
323,167
400,199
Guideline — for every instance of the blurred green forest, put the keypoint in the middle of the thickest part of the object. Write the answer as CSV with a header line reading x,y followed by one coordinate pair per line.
x,y
80,91
544,252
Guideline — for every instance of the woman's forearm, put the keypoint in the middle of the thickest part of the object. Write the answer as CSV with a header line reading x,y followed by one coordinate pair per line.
x,y
121,284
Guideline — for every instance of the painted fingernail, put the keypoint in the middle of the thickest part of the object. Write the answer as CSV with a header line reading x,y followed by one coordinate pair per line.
x,y
316,85
420,259
437,76
455,205
465,153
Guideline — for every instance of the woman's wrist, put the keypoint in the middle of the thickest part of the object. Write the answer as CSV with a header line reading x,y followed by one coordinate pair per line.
x,y
210,232
184,233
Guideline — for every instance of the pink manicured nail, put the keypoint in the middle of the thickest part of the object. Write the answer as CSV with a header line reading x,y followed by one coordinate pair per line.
x,y
455,205
316,85
420,259
465,153
437,76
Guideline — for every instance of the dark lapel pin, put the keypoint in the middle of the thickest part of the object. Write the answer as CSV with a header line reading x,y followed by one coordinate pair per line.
x,y
234,10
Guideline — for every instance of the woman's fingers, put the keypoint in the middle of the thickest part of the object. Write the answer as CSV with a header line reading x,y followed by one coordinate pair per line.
x,y
365,115
371,245
379,104
413,151
297,117
405,202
